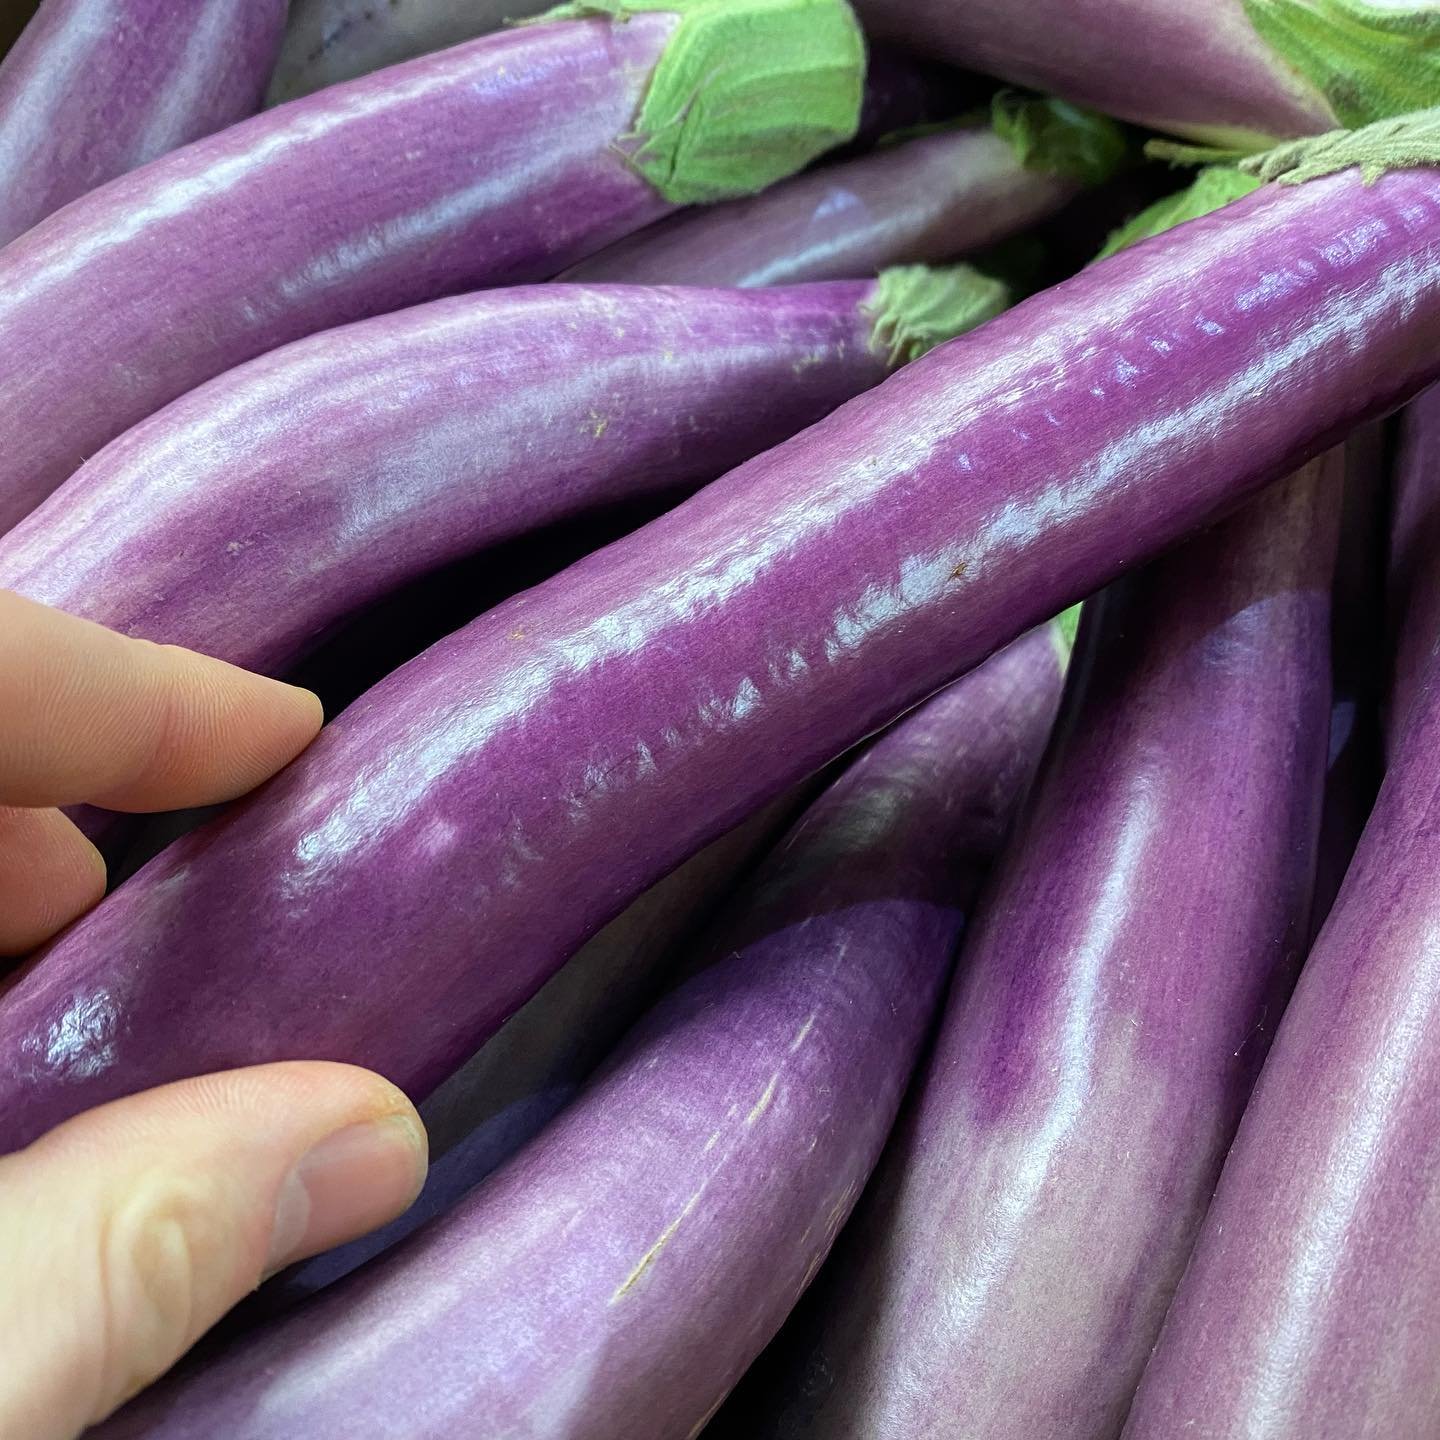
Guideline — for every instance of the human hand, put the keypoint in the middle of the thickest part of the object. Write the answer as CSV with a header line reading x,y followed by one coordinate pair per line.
x,y
128,1231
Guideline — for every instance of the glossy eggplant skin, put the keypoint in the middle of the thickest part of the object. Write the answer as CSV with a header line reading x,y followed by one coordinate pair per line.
x,y
1309,1310
329,41
489,164
586,736
923,200
1413,598
1193,67
96,87
253,514
616,1278
1009,1272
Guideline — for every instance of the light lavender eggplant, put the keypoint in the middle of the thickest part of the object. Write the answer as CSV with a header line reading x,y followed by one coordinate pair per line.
x,y
615,1279
1309,1310
1413,598
1229,72
94,88
1009,1272
586,736
928,199
250,516
492,163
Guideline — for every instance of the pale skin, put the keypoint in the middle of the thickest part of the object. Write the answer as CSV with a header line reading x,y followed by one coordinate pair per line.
x,y
127,1232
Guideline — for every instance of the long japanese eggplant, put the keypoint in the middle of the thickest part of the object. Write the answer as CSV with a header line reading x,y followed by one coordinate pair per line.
x,y
1309,1309
586,736
1229,72
926,199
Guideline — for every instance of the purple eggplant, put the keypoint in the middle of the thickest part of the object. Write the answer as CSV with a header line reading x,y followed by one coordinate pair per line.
x,y
584,737
1309,1310
1413,600
250,516
94,88
1229,72
926,199
1009,1272
615,1279
492,163
328,41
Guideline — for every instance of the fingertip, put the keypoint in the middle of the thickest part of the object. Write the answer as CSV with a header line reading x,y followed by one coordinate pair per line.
x,y
50,874
285,718
306,713
94,716
225,730
351,1182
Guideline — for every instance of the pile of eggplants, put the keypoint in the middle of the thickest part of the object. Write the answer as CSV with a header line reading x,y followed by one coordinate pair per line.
x,y
788,854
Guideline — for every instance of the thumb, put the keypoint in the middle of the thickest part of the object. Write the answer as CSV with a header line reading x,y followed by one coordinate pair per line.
x,y
127,1232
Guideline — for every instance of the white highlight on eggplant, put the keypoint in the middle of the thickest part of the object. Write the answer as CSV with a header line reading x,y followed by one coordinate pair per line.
x,y
81,1042
1008,1228
1348,1166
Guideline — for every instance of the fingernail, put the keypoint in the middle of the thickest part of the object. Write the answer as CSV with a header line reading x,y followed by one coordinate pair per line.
x,y
348,1184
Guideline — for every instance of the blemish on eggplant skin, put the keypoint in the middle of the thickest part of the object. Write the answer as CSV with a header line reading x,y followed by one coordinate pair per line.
x,y
763,1103
958,573
653,1253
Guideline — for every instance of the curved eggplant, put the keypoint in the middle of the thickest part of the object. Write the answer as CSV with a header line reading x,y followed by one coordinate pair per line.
x,y
250,516
586,736
1309,1309
1234,73
924,200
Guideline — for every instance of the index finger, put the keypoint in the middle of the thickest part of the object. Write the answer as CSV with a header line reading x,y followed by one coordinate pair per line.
x,y
89,715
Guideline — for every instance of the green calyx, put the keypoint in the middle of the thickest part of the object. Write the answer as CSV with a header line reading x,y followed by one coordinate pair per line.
x,y
1064,628
1210,190
971,120
1181,154
917,307
1406,142
1058,138
745,93
1368,61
